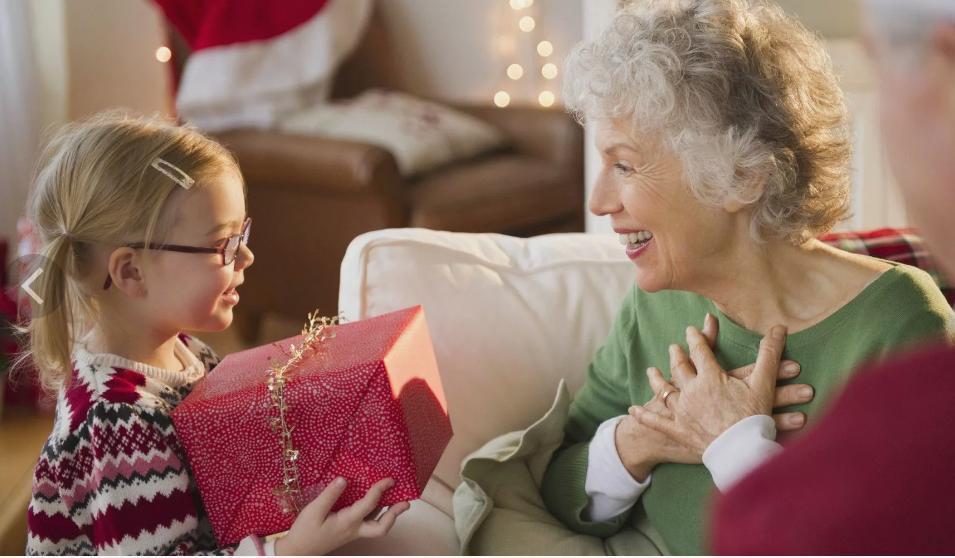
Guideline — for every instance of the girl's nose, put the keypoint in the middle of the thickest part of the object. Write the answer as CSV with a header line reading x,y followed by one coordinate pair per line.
x,y
244,258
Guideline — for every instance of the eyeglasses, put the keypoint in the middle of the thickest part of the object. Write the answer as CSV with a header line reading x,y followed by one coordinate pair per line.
x,y
229,249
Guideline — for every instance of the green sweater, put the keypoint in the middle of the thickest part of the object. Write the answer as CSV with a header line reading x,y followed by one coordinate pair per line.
x,y
900,307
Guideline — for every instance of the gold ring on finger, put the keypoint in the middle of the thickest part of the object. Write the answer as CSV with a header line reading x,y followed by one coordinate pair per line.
x,y
667,394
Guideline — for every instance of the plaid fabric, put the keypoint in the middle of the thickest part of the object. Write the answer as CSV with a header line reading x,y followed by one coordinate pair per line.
x,y
897,245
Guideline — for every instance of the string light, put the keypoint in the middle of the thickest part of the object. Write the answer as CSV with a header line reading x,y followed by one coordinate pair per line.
x,y
502,99
545,48
515,71
163,54
549,70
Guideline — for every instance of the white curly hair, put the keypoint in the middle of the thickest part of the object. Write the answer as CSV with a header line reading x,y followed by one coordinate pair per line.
x,y
742,93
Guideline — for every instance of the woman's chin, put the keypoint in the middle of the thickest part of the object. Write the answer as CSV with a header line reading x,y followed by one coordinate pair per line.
x,y
649,282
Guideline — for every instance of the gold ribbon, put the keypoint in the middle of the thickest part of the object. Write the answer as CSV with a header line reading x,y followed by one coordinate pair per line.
x,y
316,331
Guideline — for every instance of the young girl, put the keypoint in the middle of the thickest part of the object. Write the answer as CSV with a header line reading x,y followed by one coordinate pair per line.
x,y
144,234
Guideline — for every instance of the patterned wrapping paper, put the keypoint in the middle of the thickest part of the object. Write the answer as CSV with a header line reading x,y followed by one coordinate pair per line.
x,y
365,404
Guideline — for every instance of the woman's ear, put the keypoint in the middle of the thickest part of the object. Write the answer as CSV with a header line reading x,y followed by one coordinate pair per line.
x,y
125,271
752,186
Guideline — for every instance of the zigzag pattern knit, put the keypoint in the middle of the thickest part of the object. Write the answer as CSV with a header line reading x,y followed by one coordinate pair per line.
x,y
112,478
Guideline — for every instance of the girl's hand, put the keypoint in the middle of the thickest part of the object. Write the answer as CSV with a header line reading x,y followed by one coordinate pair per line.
x,y
318,530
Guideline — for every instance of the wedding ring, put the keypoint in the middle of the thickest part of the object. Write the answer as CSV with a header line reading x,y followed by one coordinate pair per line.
x,y
667,394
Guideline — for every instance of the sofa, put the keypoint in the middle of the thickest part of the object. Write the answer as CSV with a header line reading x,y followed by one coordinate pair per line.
x,y
509,318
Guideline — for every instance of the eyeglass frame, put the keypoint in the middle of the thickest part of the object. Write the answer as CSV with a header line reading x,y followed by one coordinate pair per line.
x,y
241,239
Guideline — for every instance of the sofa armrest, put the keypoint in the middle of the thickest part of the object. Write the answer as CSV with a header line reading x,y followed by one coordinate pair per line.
x,y
313,163
549,134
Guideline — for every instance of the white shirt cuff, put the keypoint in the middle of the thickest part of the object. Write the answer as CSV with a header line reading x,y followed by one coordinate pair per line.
x,y
740,449
611,488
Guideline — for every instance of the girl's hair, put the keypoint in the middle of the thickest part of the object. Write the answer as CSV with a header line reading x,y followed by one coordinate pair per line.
x,y
96,185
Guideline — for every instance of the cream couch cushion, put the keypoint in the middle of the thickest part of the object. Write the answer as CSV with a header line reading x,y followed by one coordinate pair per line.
x,y
508,317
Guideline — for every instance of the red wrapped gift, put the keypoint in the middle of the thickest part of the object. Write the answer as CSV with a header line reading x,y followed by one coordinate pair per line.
x,y
270,427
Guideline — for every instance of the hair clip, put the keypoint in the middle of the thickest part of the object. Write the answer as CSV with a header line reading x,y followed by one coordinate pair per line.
x,y
173,172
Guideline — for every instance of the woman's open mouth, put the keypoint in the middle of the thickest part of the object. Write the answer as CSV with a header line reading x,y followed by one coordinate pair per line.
x,y
636,242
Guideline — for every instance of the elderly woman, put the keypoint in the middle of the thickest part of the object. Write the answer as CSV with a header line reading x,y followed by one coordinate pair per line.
x,y
881,481
725,153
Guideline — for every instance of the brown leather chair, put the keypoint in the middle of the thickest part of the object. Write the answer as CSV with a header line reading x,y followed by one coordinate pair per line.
x,y
310,196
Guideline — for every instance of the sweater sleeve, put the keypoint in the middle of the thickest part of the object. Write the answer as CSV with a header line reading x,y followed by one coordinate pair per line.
x,y
605,394
921,315
135,495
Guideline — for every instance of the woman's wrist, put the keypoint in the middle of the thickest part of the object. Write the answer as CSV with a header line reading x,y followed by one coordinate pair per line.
x,y
634,459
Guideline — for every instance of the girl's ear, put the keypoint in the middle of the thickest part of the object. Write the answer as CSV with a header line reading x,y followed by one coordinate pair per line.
x,y
127,275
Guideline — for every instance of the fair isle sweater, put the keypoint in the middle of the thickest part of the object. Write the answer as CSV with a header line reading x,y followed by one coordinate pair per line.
x,y
112,478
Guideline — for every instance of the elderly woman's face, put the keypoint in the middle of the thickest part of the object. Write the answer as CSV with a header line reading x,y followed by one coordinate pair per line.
x,y
673,239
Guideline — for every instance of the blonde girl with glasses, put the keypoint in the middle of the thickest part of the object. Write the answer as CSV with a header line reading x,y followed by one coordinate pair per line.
x,y
145,235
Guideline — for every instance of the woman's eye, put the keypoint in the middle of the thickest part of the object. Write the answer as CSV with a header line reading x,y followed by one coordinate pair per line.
x,y
622,168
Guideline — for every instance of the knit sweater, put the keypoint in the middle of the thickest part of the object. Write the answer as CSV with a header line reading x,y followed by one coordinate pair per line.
x,y
900,307
112,478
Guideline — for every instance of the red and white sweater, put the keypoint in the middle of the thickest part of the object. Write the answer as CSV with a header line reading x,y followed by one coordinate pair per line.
x,y
112,477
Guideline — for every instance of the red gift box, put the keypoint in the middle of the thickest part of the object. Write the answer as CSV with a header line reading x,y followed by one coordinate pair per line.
x,y
366,404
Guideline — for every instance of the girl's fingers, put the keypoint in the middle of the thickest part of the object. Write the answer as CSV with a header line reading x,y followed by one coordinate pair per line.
x,y
360,509
324,502
373,529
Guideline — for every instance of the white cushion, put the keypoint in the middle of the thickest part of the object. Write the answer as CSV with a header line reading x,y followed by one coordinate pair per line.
x,y
420,134
508,317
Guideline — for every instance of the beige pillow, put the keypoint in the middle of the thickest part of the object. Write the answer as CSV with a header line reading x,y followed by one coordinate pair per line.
x,y
509,317
498,508
422,135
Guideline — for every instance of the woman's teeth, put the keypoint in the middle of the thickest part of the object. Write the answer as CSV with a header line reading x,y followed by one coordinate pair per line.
x,y
635,237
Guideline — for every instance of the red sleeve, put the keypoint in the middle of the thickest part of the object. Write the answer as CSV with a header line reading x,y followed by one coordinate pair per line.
x,y
874,476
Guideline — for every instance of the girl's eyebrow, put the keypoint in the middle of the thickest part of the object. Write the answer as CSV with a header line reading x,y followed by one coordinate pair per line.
x,y
223,226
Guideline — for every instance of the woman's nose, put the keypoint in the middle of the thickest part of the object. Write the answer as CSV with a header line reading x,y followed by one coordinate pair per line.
x,y
604,199
244,258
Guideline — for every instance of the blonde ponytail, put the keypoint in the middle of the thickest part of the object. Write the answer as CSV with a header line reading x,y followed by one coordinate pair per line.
x,y
95,186
50,327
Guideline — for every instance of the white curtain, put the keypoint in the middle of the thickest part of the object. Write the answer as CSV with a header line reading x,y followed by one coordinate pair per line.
x,y
19,112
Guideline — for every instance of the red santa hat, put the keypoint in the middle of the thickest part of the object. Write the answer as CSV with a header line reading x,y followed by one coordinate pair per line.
x,y
253,61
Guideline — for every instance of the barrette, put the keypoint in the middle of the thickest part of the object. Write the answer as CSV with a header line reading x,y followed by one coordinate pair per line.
x,y
173,172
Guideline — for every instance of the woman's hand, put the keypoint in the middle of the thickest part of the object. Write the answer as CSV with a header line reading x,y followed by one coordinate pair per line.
x,y
318,530
641,448
709,400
